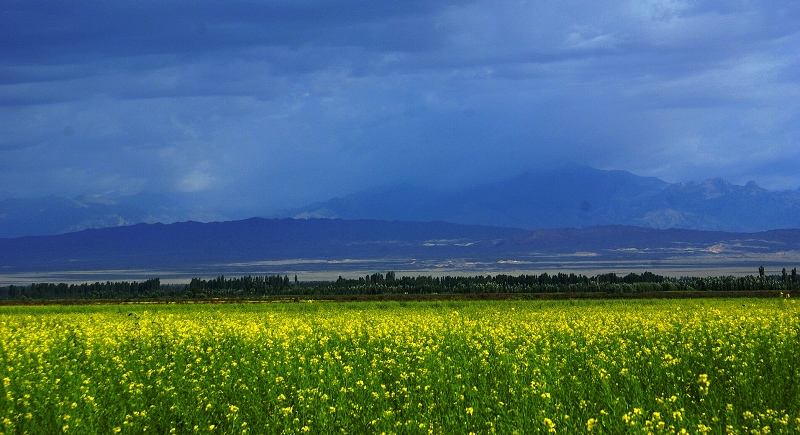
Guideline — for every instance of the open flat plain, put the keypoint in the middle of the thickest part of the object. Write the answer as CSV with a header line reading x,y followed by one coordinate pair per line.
x,y
698,264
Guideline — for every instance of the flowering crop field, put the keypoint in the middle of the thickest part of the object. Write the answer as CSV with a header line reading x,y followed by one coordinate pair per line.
x,y
633,366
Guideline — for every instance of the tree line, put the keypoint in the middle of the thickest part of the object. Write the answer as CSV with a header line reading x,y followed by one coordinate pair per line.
x,y
390,283
97,290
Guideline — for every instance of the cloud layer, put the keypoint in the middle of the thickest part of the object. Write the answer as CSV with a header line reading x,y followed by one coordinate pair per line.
x,y
263,105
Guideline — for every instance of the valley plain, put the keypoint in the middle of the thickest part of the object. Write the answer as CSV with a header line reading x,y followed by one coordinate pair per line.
x,y
323,249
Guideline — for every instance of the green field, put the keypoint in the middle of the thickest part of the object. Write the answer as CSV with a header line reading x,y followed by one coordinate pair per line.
x,y
634,366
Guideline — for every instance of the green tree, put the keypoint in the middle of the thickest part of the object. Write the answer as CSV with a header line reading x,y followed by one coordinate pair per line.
x,y
761,271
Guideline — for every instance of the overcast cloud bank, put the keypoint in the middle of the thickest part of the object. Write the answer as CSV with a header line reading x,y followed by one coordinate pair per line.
x,y
281,103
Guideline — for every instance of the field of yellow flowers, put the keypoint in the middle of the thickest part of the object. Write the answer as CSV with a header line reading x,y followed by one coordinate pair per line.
x,y
639,366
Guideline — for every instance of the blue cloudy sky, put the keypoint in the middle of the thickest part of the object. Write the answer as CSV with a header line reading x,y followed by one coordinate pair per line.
x,y
280,103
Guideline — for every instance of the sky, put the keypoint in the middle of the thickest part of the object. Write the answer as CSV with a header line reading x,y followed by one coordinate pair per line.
x,y
275,104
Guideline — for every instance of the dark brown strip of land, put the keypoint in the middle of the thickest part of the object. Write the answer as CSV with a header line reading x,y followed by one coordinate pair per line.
x,y
414,298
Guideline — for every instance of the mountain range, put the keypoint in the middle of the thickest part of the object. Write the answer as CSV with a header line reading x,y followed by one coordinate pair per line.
x,y
256,239
251,246
576,197
573,197
58,215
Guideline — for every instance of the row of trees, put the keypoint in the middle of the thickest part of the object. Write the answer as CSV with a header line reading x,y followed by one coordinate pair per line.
x,y
245,286
378,283
559,279
97,290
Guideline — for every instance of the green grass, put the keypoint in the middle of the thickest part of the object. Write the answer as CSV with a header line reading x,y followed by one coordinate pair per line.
x,y
638,366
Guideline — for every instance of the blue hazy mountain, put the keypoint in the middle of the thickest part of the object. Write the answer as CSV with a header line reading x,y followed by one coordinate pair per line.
x,y
576,197
57,215
194,246
573,197
719,205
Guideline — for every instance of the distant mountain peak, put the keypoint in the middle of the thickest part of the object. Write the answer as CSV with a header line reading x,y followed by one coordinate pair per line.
x,y
94,199
57,215
579,197
572,196
717,187
320,213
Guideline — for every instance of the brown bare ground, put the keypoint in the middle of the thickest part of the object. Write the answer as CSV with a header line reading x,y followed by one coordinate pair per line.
x,y
411,298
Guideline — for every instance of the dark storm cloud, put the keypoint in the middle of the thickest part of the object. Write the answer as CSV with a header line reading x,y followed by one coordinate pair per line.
x,y
284,102
48,32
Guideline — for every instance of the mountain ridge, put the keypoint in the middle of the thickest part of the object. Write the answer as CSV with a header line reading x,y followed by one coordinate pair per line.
x,y
215,245
48,215
575,196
